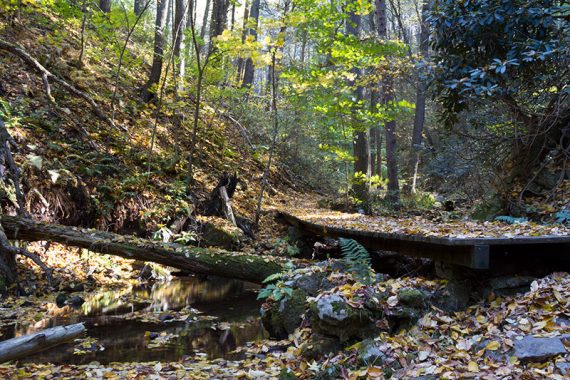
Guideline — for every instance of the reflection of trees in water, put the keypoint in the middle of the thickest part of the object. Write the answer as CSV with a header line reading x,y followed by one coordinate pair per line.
x,y
187,291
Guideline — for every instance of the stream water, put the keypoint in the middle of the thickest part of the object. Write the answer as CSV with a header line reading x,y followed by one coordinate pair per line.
x,y
231,304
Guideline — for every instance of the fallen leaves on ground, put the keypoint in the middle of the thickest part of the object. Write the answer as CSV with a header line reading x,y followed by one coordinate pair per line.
x,y
419,226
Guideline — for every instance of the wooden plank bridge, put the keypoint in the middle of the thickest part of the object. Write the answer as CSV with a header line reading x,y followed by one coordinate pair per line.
x,y
475,253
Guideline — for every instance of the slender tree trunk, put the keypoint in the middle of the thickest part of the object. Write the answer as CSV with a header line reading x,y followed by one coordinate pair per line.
x,y
419,118
219,18
205,20
360,145
105,6
138,7
249,70
179,26
149,89
267,172
241,61
233,16
83,26
393,193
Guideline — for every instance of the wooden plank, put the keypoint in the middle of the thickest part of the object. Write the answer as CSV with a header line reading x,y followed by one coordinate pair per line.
x,y
471,253
452,241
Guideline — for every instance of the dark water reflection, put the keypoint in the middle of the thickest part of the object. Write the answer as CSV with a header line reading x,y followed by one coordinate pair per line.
x,y
233,302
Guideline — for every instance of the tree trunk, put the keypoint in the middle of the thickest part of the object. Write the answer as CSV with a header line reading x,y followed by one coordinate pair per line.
x,y
249,70
22,346
219,18
139,6
393,193
205,20
240,60
148,92
179,25
419,118
204,261
360,145
105,6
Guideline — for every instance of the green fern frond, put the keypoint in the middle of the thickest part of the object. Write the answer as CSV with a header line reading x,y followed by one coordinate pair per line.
x,y
357,258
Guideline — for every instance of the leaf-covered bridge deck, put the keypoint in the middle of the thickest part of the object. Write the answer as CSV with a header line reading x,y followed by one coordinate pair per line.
x,y
468,243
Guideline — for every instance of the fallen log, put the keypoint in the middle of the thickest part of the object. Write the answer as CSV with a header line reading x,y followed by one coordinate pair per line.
x,y
26,345
206,261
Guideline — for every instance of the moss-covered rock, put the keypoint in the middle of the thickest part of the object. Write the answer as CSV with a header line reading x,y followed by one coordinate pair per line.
x,y
332,315
412,297
283,317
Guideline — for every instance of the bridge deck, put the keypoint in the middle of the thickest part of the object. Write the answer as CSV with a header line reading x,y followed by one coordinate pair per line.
x,y
470,252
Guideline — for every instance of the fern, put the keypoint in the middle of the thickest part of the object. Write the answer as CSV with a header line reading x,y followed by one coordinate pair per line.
x,y
357,258
511,219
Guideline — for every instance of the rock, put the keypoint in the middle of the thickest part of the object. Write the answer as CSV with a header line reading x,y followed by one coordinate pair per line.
x,y
564,368
412,297
531,349
60,300
79,288
510,285
370,353
331,315
312,283
153,335
455,296
319,345
218,232
75,301
495,355
283,317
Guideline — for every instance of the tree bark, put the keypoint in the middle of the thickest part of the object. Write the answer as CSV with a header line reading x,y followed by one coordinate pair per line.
x,y
419,117
360,144
138,7
148,93
204,261
219,18
249,70
180,13
205,20
22,346
240,60
105,6
393,193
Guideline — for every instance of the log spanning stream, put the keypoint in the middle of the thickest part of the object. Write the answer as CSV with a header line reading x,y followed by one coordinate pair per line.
x,y
227,318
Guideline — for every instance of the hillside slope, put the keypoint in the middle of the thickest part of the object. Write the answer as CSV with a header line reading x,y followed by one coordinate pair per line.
x,y
79,170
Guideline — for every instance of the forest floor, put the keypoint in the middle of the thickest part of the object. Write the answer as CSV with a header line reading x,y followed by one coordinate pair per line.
x,y
474,343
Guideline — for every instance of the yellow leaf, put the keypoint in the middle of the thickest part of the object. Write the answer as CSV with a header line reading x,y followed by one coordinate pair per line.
x,y
473,367
494,345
